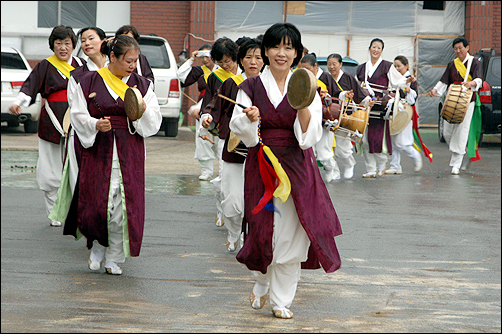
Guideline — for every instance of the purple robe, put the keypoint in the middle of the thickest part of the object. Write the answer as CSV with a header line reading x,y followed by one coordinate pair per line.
x,y
348,82
196,75
46,80
376,126
308,191
451,75
89,208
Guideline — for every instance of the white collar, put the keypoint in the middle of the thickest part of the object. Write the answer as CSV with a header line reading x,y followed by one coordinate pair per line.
x,y
319,72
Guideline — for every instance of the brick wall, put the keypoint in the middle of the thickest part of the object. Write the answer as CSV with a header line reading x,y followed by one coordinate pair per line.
x,y
482,25
174,20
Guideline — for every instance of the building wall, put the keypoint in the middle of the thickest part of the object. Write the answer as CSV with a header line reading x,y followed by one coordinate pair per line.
x,y
482,25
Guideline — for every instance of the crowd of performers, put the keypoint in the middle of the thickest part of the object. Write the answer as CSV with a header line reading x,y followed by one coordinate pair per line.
x,y
270,192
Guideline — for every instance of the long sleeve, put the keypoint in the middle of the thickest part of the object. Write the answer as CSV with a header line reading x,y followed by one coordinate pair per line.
x,y
184,70
240,123
314,131
81,120
149,124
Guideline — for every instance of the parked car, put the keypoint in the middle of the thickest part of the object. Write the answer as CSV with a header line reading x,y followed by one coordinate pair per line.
x,y
167,86
349,65
489,95
15,70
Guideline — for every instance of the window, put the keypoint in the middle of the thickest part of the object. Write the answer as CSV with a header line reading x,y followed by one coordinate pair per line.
x,y
77,14
12,61
434,5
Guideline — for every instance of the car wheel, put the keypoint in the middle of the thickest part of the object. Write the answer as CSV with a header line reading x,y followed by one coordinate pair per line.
x,y
441,129
171,127
31,126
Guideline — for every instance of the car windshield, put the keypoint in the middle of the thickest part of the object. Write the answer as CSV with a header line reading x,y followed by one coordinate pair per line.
x,y
12,61
155,52
493,73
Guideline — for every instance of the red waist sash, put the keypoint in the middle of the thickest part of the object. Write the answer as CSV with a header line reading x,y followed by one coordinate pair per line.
x,y
59,96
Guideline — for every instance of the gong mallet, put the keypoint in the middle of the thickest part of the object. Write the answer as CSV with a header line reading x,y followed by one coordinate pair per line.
x,y
189,98
235,102
93,97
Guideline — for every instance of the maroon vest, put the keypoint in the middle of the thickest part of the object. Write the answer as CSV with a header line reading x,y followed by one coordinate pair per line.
x,y
311,198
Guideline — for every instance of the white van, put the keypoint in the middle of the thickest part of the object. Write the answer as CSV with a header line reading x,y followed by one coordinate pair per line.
x,y
166,86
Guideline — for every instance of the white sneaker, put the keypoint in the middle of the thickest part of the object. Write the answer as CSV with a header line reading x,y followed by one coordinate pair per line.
x,y
55,223
219,222
369,175
382,170
393,171
455,171
418,165
205,176
348,173
232,246
332,175
94,265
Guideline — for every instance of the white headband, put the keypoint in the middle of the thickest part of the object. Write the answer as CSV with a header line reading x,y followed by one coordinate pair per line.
x,y
204,53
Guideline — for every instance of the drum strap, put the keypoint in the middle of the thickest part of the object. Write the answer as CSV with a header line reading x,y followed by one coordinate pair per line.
x,y
462,70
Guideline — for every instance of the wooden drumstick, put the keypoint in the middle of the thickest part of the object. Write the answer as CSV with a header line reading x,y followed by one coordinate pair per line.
x,y
189,98
229,99
93,97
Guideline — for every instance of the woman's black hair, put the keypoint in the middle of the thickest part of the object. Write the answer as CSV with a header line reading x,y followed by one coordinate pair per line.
x,y
278,33
126,29
242,40
224,47
206,47
336,56
310,59
402,59
462,40
62,32
376,40
251,44
120,45
98,31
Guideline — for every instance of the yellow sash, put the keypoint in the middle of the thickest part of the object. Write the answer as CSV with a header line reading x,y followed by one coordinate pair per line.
x,y
61,65
117,85
321,84
206,71
238,79
339,85
461,69
223,74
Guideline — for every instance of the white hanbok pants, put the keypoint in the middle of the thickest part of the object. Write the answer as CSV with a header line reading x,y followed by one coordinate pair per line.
x,y
403,142
290,245
50,170
373,161
204,151
323,151
456,136
343,151
232,191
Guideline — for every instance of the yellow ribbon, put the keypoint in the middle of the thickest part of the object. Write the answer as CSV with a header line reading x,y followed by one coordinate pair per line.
x,y
284,188
206,71
61,65
322,85
117,85
238,79
223,74
461,69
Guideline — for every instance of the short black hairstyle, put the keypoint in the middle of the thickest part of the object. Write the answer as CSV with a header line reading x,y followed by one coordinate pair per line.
x,y
251,44
278,33
98,31
336,56
126,29
224,46
310,59
205,47
462,40
62,32
242,40
376,40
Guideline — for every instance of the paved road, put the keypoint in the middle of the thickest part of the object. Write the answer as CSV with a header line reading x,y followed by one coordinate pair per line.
x,y
420,253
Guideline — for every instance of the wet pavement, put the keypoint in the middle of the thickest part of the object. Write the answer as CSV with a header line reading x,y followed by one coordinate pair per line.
x,y
420,253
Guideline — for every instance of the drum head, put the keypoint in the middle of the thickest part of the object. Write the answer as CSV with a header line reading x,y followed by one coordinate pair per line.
x,y
400,120
66,121
302,88
133,103
233,142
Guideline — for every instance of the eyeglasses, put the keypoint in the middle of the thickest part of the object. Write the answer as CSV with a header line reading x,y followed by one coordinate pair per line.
x,y
226,62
